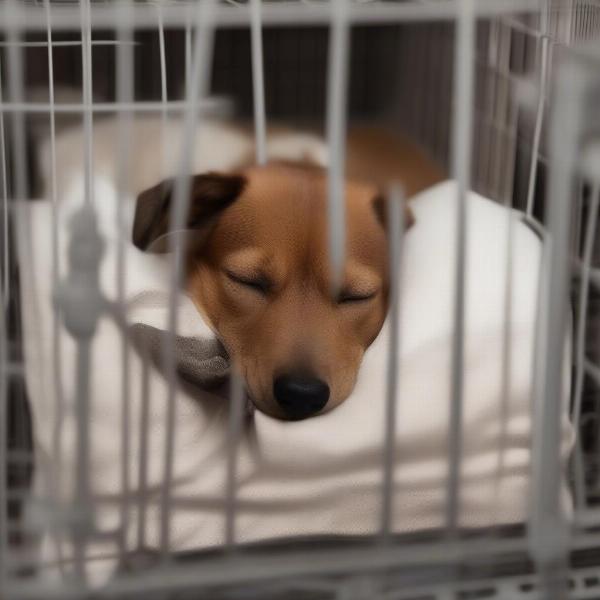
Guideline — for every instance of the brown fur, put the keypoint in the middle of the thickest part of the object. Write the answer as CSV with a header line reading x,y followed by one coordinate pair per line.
x,y
260,271
277,232
377,155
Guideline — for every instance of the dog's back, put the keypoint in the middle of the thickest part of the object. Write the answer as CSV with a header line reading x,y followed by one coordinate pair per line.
x,y
375,154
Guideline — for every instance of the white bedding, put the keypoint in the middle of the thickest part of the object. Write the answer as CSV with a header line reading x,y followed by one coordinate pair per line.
x,y
322,475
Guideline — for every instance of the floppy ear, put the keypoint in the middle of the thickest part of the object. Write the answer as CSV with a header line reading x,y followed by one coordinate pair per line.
x,y
380,207
210,194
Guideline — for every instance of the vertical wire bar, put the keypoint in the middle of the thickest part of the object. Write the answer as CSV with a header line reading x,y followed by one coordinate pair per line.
x,y
4,571
495,129
188,57
511,149
15,76
490,99
337,84
86,61
236,413
502,107
201,64
237,391
577,228
20,192
20,188
463,104
82,397
584,289
258,82
505,389
587,21
547,527
5,207
124,97
574,21
163,55
53,183
165,532
82,492
3,371
539,119
59,407
143,451
395,218
163,87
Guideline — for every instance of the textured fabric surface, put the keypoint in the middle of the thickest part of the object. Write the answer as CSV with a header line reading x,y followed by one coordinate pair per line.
x,y
199,362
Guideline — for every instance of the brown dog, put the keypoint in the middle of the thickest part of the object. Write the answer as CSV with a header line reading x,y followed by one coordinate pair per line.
x,y
258,270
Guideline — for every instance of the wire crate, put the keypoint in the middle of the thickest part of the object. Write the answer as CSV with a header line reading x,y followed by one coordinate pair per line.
x,y
504,94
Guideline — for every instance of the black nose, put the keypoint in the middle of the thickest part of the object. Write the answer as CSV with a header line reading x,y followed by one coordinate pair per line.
x,y
300,396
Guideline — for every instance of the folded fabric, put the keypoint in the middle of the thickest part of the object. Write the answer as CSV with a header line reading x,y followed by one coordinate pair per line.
x,y
200,362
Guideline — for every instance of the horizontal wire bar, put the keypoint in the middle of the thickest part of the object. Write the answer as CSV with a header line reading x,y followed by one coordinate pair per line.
x,y
288,14
65,43
242,568
594,273
20,456
589,517
209,104
592,370
239,568
13,369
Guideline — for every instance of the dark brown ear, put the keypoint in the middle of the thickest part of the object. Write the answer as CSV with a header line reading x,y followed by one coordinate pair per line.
x,y
210,194
379,205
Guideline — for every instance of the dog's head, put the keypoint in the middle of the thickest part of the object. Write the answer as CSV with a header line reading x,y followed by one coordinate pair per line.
x,y
258,269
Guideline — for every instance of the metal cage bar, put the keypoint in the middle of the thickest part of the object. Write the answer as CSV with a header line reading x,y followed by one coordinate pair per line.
x,y
548,539
199,83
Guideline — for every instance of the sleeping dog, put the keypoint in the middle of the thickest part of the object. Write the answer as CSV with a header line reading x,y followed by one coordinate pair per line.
x,y
257,267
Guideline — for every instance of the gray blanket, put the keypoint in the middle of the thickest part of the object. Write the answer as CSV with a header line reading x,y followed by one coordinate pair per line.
x,y
201,363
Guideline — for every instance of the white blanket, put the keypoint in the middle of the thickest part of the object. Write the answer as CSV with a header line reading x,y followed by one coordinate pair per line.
x,y
322,475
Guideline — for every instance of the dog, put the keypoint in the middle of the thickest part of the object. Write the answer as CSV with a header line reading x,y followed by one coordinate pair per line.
x,y
257,268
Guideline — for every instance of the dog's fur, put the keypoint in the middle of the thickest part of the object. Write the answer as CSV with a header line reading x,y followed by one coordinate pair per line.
x,y
258,268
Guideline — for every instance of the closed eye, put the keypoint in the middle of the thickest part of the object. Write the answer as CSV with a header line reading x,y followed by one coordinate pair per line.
x,y
259,284
348,297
